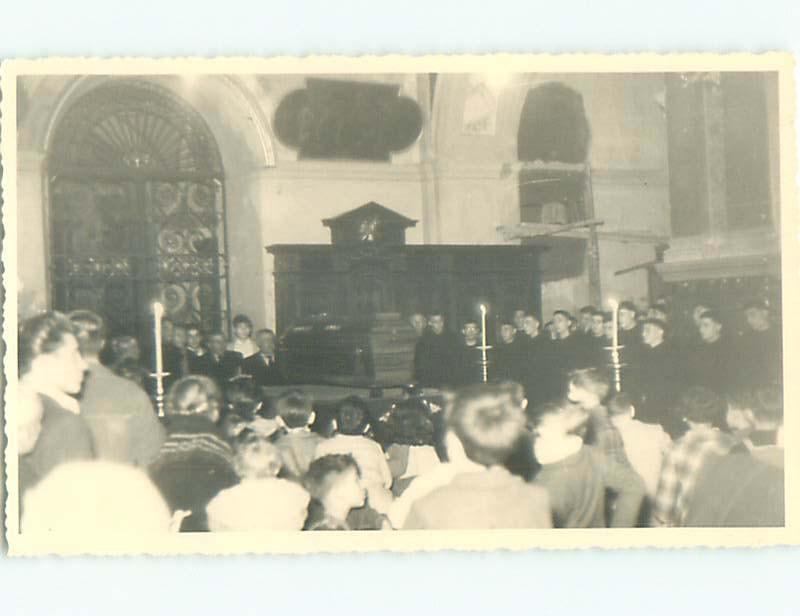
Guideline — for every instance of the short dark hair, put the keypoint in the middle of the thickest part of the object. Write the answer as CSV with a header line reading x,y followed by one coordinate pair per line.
x,y
608,317
713,315
657,323
265,330
628,305
242,318
40,335
352,416
322,472
587,310
590,379
489,421
242,396
295,408
620,404
563,313
408,422
701,405
90,330
599,313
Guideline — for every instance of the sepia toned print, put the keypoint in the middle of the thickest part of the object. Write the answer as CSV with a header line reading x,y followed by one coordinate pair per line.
x,y
426,303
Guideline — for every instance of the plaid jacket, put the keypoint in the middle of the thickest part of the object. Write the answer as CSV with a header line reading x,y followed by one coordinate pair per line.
x,y
682,465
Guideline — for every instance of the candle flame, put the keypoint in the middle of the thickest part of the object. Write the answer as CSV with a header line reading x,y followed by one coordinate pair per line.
x,y
158,309
613,303
482,308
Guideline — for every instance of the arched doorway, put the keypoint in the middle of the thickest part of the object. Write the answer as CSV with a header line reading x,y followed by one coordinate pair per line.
x,y
137,209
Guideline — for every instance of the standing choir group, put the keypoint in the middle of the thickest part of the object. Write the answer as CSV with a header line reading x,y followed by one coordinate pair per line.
x,y
694,438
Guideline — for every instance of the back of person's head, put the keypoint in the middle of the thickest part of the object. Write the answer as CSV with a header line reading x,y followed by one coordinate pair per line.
x,y
129,368
194,395
295,408
768,405
90,330
620,404
702,406
40,335
590,380
489,421
352,416
242,396
95,497
408,422
323,472
256,457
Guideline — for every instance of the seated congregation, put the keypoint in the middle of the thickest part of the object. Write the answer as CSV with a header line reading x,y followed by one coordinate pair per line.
x,y
549,444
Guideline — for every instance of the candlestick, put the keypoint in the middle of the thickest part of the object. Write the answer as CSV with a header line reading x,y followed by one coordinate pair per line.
x,y
616,364
484,346
614,321
483,325
159,374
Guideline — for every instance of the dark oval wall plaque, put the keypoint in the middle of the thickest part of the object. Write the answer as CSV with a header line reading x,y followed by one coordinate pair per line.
x,y
331,119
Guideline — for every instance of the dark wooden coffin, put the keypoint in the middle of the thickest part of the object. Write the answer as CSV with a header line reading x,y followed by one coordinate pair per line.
x,y
364,352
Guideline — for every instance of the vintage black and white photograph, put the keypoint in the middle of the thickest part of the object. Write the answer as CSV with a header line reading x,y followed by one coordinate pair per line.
x,y
478,295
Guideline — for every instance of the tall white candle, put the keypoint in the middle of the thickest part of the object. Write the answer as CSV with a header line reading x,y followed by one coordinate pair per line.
x,y
483,325
158,314
614,324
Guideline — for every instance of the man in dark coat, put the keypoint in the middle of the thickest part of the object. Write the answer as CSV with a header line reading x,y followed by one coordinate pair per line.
x,y
262,366
711,363
653,382
436,355
560,357
222,365
759,349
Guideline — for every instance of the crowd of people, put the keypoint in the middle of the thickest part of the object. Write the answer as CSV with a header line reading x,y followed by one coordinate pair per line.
x,y
693,438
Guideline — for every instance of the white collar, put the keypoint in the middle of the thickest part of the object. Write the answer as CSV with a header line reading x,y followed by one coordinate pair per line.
x,y
548,452
64,400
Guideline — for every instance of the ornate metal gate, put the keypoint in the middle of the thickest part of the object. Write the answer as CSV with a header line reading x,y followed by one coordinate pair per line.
x,y
137,209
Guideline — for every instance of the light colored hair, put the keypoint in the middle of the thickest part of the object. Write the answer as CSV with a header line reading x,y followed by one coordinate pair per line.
x,y
489,420
193,395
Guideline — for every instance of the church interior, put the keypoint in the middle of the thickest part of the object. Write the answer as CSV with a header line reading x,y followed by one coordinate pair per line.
x,y
474,283
632,186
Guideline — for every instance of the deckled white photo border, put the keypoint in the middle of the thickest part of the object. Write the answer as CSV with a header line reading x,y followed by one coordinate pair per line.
x,y
405,541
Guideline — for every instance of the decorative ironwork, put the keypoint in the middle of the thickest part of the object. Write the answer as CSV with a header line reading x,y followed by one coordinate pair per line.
x,y
137,210
134,128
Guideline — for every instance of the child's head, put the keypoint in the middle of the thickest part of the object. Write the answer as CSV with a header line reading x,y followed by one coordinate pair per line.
x,y
125,347
256,458
194,395
408,422
296,409
352,416
242,326
489,421
587,387
217,342
335,481
180,335
621,405
194,337
265,339
242,397
507,333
